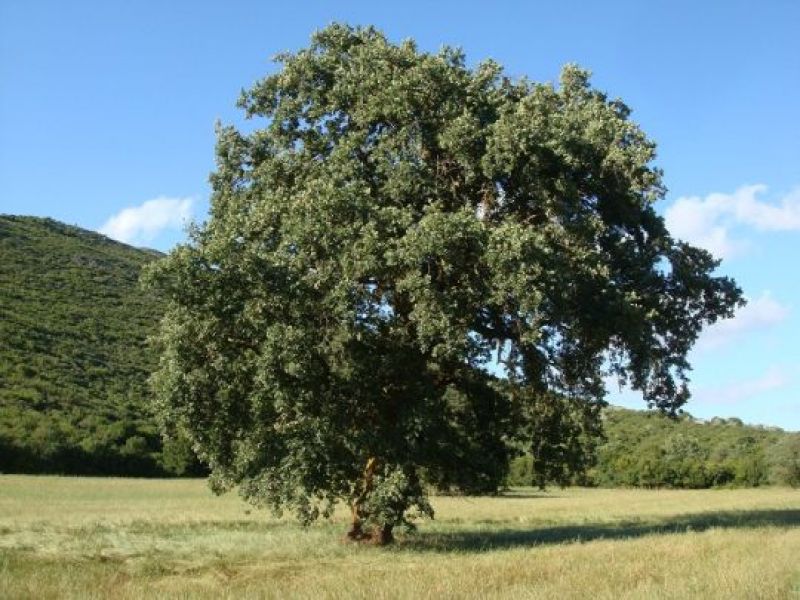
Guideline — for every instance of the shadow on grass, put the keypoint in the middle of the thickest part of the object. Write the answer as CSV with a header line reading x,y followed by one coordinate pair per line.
x,y
507,495
525,495
505,538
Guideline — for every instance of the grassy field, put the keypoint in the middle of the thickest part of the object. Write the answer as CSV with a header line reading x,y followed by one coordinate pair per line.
x,y
118,538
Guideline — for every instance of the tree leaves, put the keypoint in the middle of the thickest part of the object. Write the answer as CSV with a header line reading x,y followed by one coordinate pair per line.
x,y
394,218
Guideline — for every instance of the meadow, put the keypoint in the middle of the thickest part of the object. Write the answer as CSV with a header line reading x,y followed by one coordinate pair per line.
x,y
63,537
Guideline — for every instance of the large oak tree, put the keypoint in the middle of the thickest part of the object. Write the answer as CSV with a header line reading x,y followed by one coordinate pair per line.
x,y
404,259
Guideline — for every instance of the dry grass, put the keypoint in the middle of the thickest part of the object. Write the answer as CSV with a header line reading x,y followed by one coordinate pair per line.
x,y
118,538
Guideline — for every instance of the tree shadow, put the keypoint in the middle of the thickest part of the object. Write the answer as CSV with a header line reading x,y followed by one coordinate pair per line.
x,y
526,494
515,537
506,495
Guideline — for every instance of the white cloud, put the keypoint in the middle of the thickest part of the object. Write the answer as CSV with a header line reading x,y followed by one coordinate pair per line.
x,y
758,314
141,224
706,222
774,378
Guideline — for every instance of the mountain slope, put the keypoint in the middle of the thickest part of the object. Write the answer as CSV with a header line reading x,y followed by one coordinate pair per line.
x,y
74,364
73,355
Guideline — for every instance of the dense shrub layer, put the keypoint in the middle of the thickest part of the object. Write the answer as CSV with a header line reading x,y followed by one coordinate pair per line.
x,y
74,359
646,449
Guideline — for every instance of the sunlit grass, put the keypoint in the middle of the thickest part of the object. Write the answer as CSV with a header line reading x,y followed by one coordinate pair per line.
x,y
122,538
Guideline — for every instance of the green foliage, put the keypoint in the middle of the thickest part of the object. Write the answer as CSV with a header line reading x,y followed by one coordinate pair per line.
x,y
649,450
561,435
73,356
783,459
394,218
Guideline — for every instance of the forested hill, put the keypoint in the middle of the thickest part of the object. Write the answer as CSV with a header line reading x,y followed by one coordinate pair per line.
x,y
74,365
647,449
73,355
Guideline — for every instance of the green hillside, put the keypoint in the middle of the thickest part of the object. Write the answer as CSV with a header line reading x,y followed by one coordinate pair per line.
x,y
73,355
647,449
74,365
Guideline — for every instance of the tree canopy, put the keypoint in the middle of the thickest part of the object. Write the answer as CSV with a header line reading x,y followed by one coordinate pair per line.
x,y
403,256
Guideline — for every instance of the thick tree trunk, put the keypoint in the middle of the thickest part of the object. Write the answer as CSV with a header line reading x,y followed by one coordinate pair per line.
x,y
379,535
382,535
356,532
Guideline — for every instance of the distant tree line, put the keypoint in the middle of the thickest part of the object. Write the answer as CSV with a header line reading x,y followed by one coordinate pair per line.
x,y
648,450
637,449
37,443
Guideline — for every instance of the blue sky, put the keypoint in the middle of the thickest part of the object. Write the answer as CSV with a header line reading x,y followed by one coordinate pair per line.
x,y
107,112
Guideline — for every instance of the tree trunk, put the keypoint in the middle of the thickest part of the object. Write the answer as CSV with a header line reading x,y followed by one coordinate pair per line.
x,y
356,532
380,535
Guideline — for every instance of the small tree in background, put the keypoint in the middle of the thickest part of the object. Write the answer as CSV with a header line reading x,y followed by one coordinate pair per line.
x,y
395,224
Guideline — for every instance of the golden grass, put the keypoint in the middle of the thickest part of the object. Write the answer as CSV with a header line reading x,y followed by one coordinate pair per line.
x,y
123,538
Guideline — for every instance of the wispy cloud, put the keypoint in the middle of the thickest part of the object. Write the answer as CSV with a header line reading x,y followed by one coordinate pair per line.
x,y
141,224
774,378
758,314
707,222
